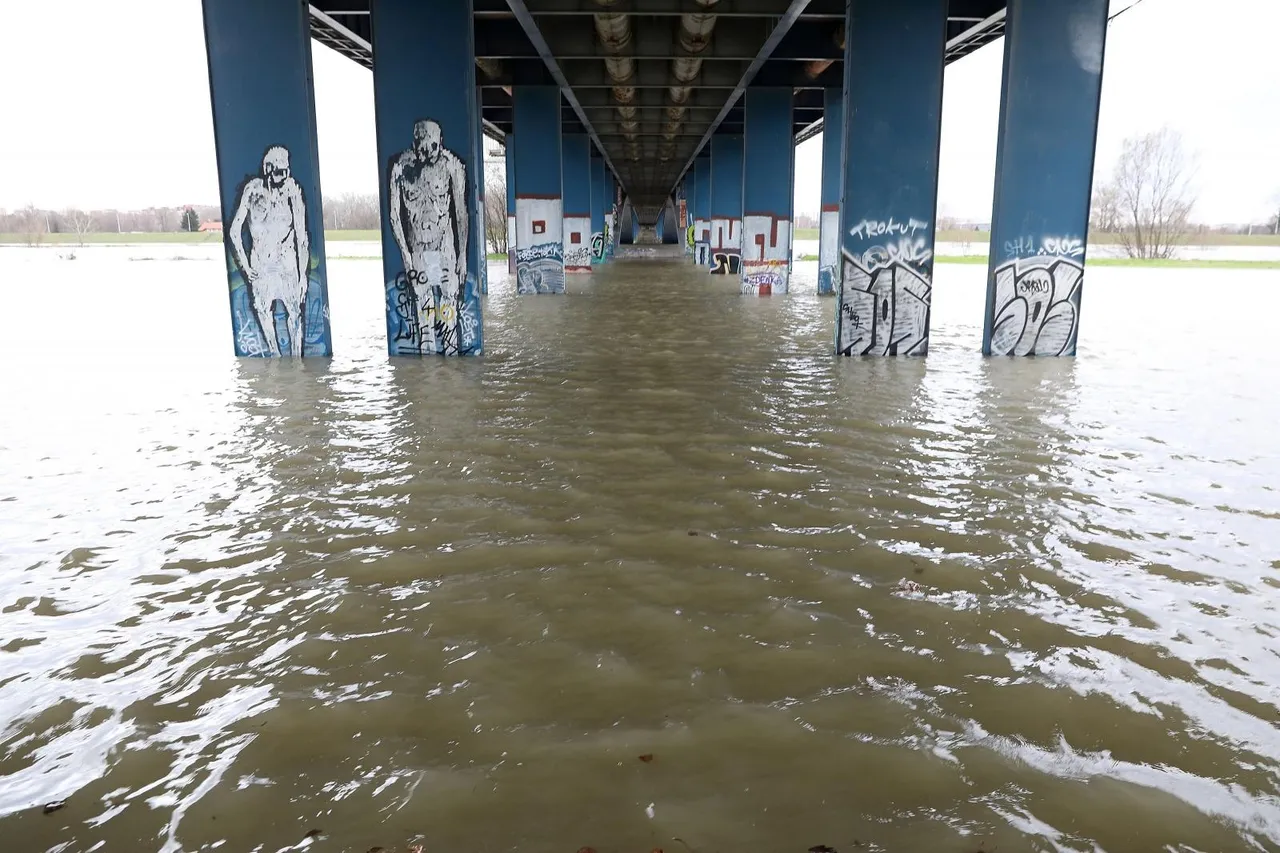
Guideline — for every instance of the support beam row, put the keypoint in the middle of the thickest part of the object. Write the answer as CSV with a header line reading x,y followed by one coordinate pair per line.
x,y
732,211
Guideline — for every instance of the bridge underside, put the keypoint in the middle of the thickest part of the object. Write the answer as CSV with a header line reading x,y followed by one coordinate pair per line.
x,y
650,80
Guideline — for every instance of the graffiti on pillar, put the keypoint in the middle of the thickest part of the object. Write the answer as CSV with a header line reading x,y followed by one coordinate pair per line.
x,y
1037,305
726,263
702,242
688,240
726,246
766,254
432,306
609,237
539,246
886,289
1027,247
277,297
829,250
577,244
597,247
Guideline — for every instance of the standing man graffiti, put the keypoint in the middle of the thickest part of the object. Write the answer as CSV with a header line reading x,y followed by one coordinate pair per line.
x,y
428,201
276,265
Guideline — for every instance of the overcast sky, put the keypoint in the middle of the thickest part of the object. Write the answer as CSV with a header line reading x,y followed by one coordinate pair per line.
x,y
107,105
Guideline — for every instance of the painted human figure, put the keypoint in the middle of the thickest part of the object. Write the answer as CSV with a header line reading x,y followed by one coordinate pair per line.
x,y
276,264
428,202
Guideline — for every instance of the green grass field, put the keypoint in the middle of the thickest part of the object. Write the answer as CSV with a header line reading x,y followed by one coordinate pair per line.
x,y
1175,263
972,237
180,237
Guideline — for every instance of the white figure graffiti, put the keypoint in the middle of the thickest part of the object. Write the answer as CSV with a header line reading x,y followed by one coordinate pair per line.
x,y
276,264
1036,306
428,201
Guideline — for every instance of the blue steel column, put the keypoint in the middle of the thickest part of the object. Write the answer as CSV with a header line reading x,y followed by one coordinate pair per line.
x,y
510,180
480,222
691,209
726,204
892,128
702,221
611,219
427,169
832,173
269,176
576,160
539,207
769,152
1053,54
598,198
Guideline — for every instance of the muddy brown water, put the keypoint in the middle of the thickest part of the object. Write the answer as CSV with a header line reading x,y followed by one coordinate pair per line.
x,y
946,604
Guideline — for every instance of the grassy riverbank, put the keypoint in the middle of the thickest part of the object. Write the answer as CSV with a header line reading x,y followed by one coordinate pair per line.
x,y
1174,263
179,237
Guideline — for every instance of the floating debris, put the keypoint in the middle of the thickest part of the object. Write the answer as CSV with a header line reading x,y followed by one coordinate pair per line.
x,y
50,808
905,585
647,757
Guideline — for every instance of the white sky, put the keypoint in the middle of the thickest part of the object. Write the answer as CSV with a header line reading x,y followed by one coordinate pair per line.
x,y
100,114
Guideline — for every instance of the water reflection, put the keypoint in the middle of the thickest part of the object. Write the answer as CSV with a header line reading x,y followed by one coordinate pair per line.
x,y
923,604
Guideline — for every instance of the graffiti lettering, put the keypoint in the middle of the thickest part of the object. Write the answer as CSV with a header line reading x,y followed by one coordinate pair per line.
x,y
726,263
895,299
597,246
1026,247
876,228
905,250
1037,306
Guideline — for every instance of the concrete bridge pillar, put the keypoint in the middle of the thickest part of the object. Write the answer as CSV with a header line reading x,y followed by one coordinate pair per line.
x,y
702,212
427,171
481,243
626,223
892,129
599,196
671,223
832,174
576,164
682,217
268,176
613,218
726,204
539,204
1053,54
768,167
510,180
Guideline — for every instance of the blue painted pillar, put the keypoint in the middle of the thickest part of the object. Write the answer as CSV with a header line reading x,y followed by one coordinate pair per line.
x,y
702,219
269,176
539,207
576,159
683,223
510,180
1053,53
611,219
599,190
726,204
832,174
635,225
426,169
768,167
659,229
479,224
892,126
626,223
686,236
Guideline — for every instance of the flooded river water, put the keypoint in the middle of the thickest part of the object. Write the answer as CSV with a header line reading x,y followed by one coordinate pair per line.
x,y
943,604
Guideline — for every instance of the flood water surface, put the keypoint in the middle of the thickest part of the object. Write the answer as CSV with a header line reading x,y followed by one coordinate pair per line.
x,y
941,604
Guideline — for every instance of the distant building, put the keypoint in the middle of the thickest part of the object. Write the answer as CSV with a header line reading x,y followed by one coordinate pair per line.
x,y
211,226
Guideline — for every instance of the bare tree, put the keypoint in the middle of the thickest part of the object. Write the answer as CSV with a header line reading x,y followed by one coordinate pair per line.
x,y
1152,185
1104,209
81,222
495,214
34,225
